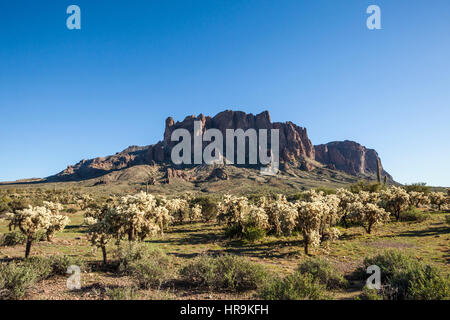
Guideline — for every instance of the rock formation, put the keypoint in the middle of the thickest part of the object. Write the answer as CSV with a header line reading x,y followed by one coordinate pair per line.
x,y
295,149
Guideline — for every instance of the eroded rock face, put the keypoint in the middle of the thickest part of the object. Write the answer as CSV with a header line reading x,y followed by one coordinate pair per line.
x,y
295,148
350,157
294,141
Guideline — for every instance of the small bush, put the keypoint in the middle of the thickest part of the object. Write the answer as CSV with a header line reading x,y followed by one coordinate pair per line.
x,y
324,272
209,207
405,278
224,272
41,266
447,219
122,293
413,214
369,294
71,210
233,231
59,264
150,273
12,239
294,287
254,233
15,279
150,267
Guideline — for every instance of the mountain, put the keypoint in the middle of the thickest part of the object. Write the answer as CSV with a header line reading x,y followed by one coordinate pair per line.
x,y
296,153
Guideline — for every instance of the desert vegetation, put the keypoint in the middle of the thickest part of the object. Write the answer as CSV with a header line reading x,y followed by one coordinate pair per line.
x,y
314,244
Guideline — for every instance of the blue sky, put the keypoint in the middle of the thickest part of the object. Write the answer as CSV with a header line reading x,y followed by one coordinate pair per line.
x,y
67,95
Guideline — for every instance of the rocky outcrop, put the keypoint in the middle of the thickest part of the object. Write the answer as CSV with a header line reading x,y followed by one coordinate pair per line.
x,y
295,149
97,167
294,141
218,174
350,157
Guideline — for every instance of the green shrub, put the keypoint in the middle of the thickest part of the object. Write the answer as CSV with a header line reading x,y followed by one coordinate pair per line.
x,y
40,265
150,274
209,207
293,287
15,279
233,231
150,267
71,210
13,238
447,219
122,293
60,263
324,272
405,278
413,214
253,233
226,272
369,294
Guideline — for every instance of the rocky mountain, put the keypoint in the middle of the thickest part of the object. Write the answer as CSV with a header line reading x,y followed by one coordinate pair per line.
x,y
296,150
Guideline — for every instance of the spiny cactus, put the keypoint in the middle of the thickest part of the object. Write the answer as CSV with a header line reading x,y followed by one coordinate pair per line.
x,y
378,171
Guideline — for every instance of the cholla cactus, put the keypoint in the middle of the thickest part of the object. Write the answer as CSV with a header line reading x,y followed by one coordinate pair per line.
x,y
237,211
55,208
178,208
84,201
195,213
368,215
346,198
134,216
439,199
418,199
309,222
312,195
100,233
395,200
57,222
282,215
30,221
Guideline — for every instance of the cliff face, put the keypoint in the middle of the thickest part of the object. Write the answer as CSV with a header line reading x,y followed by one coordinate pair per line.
x,y
295,147
294,141
350,157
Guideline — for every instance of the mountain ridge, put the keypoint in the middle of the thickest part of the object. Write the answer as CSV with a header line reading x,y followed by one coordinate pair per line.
x,y
296,149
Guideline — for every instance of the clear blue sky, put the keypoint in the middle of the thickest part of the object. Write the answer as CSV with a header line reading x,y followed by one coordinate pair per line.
x,y
71,95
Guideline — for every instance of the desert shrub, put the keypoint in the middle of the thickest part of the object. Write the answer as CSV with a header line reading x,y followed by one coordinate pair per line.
x,y
209,207
122,293
254,233
15,279
447,219
293,287
150,267
60,263
417,187
413,214
324,272
150,273
71,210
40,265
226,272
326,191
13,238
405,278
369,294
4,207
365,186
233,231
